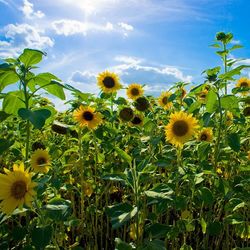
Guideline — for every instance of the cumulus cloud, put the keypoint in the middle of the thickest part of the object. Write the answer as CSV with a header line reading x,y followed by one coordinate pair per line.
x,y
28,10
68,27
20,36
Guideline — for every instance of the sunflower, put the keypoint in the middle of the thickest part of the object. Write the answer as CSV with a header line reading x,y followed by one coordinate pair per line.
x,y
163,100
246,111
134,91
86,116
206,134
243,82
202,96
126,114
40,161
137,120
181,128
17,189
108,82
229,118
142,104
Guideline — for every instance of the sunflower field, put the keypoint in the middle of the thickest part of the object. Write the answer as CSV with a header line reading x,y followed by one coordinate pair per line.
x,y
136,172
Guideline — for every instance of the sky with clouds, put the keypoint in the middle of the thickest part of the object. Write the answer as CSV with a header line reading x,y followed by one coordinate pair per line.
x,y
153,42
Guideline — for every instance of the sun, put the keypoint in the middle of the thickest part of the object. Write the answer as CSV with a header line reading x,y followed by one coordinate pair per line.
x,y
181,128
87,116
134,91
163,100
108,82
40,161
17,189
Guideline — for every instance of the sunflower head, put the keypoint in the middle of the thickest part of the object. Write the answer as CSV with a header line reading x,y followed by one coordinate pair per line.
x,y
134,91
137,120
163,100
40,161
108,82
243,82
86,116
59,128
142,104
126,114
36,145
17,189
181,128
202,96
206,134
246,111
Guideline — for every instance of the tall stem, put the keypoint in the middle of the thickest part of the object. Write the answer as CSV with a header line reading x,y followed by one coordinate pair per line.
x,y
225,65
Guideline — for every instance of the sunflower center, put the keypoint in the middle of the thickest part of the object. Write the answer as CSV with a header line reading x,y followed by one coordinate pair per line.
x,y
135,91
126,114
141,104
136,120
108,82
165,100
88,116
203,96
180,128
243,84
203,137
246,111
41,161
18,189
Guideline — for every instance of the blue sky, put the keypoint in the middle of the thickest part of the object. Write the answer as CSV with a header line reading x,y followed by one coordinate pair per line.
x,y
153,42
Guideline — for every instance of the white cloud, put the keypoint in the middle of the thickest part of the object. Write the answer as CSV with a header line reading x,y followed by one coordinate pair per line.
x,y
69,27
28,10
126,26
20,36
4,2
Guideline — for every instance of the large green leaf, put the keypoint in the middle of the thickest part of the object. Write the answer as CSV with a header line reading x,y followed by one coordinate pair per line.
x,y
121,245
123,155
206,196
41,237
12,102
120,214
7,77
50,83
236,71
230,103
234,141
37,117
212,102
30,57
5,144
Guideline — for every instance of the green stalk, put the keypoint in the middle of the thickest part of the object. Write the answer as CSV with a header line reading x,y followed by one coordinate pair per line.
x,y
225,66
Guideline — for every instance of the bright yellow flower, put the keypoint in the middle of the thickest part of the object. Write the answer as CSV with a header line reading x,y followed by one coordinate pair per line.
x,y
202,96
206,134
163,100
181,128
86,116
243,82
17,189
40,161
134,91
108,82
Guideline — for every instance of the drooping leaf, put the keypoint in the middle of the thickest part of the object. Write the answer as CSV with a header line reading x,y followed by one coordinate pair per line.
x,y
212,102
30,57
13,101
7,77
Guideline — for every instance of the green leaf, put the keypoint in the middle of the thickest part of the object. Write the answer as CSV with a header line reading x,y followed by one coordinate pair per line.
x,y
121,245
120,214
123,155
50,83
31,57
230,103
37,117
115,177
206,196
19,233
214,228
236,46
3,116
41,237
203,150
58,209
12,102
160,192
203,225
234,141
212,103
158,230
5,145
194,106
153,245
233,72
7,78
149,127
